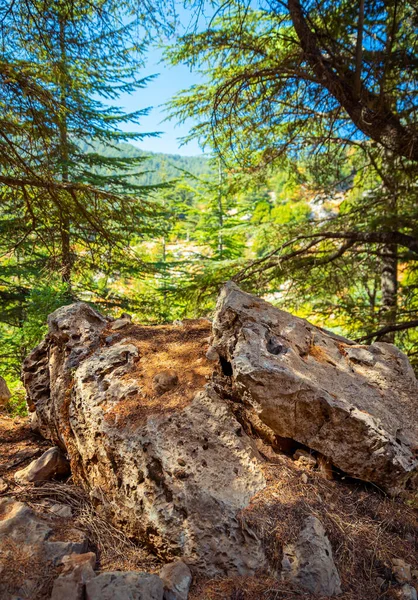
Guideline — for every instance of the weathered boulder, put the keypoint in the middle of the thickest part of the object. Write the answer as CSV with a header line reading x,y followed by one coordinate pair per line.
x,y
51,464
125,586
309,562
177,580
5,393
356,405
176,478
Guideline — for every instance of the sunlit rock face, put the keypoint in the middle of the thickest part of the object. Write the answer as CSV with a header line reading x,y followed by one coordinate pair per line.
x,y
174,466
161,428
355,404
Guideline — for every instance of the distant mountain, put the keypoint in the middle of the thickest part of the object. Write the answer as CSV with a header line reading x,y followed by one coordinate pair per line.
x,y
158,167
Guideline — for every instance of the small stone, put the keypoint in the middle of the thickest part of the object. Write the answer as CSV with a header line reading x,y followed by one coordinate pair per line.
x,y
165,381
401,570
120,324
309,562
61,510
380,582
78,570
212,354
177,579
408,592
178,323
305,459
55,551
51,464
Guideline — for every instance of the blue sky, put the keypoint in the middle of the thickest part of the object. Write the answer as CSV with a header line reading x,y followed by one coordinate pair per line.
x,y
159,91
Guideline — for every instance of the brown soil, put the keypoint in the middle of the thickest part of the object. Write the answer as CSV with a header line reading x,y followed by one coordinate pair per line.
x,y
179,348
18,446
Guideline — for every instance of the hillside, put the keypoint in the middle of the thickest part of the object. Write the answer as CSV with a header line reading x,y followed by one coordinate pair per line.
x,y
157,167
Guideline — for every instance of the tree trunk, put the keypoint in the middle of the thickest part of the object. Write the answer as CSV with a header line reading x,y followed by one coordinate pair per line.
x,y
366,111
65,224
389,288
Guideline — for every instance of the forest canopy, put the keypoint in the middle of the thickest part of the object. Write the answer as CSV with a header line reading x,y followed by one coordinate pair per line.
x,y
307,112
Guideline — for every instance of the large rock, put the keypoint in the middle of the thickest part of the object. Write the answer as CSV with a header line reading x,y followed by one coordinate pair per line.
x,y
176,479
357,405
309,562
51,464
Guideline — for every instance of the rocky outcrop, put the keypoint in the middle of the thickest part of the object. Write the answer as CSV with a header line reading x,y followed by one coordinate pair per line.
x,y
309,563
356,405
176,478
173,455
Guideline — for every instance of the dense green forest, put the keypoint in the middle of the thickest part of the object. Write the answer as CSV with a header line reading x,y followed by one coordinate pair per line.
x,y
157,166
306,194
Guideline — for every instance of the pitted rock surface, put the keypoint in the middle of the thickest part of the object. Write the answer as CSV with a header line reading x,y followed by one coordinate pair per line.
x,y
178,470
178,480
357,405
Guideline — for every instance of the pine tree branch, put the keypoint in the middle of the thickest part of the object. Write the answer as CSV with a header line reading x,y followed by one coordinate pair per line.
x,y
369,114
389,329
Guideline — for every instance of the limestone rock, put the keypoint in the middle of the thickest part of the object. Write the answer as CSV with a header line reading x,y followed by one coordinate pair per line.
x,y
51,464
78,570
125,586
179,477
309,562
120,324
354,404
177,579
5,394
